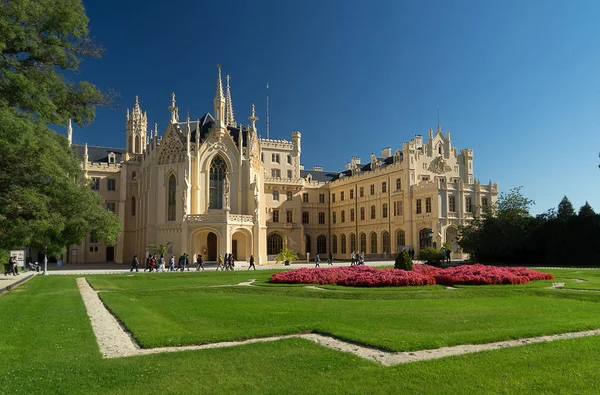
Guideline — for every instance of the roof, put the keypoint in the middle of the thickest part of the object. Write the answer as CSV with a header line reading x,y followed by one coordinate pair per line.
x,y
207,122
98,154
321,176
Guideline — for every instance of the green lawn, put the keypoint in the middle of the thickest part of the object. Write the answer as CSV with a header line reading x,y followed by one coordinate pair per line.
x,y
47,345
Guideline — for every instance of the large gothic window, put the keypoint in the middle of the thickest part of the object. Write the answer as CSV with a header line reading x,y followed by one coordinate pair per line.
x,y
172,193
274,244
400,240
218,170
343,243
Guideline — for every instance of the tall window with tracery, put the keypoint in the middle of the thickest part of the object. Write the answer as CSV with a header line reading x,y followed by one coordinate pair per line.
x,y
218,170
171,201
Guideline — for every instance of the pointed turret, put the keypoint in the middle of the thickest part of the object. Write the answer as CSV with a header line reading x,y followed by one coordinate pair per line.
x,y
228,106
136,127
219,102
70,132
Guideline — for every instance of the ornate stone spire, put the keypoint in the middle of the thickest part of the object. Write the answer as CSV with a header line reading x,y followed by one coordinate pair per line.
x,y
155,131
228,106
253,118
219,102
136,129
70,132
174,110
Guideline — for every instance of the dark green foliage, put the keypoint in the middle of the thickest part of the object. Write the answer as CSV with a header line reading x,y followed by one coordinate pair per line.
x,y
403,261
45,202
510,235
431,256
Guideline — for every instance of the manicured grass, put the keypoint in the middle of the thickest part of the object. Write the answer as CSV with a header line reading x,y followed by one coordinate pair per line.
x,y
47,346
197,316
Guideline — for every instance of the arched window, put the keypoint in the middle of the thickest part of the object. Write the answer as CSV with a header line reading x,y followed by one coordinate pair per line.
x,y
343,243
424,240
400,240
385,239
218,170
352,242
334,244
372,212
172,193
307,237
321,244
363,243
373,243
133,206
138,149
274,244
384,210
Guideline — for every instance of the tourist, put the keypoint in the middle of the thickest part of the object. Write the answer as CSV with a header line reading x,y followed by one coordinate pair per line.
x,y
161,265
220,263
152,263
187,261
330,260
172,263
317,260
147,263
448,255
352,259
135,263
252,263
199,263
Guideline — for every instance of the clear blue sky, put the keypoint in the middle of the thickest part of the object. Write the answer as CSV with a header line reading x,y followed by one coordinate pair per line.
x,y
517,81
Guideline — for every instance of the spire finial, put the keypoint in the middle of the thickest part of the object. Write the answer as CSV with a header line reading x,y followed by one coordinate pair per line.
x,y
70,132
267,120
253,118
229,120
439,129
155,130
173,109
219,92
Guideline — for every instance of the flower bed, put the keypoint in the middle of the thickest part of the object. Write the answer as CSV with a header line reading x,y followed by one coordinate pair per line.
x,y
365,276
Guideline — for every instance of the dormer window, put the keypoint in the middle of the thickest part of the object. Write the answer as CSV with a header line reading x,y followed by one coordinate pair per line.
x,y
111,157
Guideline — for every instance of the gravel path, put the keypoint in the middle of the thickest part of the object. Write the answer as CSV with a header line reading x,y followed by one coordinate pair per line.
x,y
115,342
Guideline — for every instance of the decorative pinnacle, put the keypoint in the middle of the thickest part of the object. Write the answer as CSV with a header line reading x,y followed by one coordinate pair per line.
x,y
229,120
219,92
173,109
155,129
253,118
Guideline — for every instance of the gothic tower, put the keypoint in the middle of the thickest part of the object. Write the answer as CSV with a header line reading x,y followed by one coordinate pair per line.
x,y
136,126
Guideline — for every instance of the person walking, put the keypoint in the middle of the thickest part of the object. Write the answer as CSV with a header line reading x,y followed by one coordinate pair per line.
x,y
172,263
220,263
199,263
147,263
352,259
161,263
317,260
252,263
135,263
448,255
330,260
187,261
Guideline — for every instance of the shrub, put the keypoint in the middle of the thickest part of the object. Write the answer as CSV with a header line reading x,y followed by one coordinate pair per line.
x,y
403,261
431,256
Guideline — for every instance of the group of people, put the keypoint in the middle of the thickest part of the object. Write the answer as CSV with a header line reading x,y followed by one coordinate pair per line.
x,y
357,259
154,264
11,267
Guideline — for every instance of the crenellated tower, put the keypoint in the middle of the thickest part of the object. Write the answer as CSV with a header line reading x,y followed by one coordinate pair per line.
x,y
136,126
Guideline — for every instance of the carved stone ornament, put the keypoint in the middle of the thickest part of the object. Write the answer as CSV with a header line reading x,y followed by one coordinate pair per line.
x,y
439,166
171,151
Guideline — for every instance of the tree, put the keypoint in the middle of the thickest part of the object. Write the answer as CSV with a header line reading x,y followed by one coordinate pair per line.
x,y
45,202
586,210
565,209
287,255
160,249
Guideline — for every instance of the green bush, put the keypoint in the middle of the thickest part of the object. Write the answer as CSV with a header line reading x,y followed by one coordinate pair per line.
x,y
431,256
403,261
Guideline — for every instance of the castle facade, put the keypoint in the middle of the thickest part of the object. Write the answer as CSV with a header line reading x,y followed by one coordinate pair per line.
x,y
212,186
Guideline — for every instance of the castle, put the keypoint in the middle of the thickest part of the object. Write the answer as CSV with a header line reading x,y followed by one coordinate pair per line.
x,y
212,186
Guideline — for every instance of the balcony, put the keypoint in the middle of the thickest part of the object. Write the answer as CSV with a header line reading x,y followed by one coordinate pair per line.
x,y
221,218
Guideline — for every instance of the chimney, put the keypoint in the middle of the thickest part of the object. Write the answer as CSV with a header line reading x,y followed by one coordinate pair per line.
x,y
317,168
355,160
386,152
348,166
